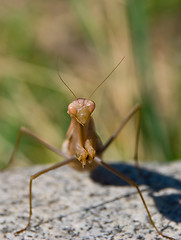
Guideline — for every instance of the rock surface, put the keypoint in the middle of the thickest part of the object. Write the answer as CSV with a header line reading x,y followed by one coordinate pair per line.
x,y
72,205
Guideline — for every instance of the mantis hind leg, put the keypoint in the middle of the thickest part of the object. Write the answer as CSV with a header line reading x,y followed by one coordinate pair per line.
x,y
136,109
25,131
50,147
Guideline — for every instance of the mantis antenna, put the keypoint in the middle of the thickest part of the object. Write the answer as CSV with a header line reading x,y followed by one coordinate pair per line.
x,y
106,77
97,86
66,85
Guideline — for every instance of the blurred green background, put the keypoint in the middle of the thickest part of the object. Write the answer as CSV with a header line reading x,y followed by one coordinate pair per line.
x,y
84,40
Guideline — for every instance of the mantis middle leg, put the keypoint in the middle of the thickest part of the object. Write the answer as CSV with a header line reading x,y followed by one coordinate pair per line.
x,y
36,175
132,183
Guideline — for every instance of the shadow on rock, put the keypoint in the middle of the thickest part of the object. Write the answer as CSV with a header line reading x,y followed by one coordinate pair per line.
x,y
167,202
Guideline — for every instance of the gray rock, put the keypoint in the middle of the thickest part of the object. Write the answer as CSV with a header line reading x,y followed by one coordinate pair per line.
x,y
72,205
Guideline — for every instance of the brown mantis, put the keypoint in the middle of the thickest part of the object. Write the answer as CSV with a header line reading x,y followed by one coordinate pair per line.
x,y
83,148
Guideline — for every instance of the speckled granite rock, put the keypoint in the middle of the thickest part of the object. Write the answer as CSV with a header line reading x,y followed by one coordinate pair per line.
x,y
71,205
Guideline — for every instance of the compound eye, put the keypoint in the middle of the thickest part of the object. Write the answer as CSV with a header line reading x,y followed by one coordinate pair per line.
x,y
91,106
72,109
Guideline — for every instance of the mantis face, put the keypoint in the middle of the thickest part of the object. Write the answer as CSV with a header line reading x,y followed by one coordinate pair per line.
x,y
81,109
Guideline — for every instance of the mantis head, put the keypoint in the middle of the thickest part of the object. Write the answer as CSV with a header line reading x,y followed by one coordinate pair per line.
x,y
81,109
